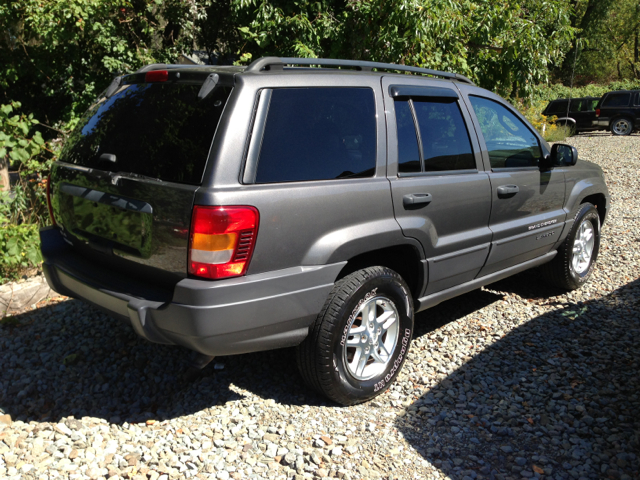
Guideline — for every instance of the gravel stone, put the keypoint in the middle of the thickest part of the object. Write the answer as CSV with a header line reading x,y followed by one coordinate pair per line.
x,y
513,380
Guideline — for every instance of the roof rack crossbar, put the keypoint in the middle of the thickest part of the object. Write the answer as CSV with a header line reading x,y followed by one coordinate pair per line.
x,y
278,63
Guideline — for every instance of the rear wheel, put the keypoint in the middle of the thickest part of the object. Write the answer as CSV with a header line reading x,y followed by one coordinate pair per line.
x,y
576,258
361,338
622,126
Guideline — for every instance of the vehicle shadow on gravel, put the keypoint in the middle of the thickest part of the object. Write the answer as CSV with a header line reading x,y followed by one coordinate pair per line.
x,y
70,359
559,396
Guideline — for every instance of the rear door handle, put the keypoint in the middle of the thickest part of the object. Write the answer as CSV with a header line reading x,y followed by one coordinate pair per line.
x,y
507,191
416,199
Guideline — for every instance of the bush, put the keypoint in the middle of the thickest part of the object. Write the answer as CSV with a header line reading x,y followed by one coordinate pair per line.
x,y
547,126
545,93
19,249
23,209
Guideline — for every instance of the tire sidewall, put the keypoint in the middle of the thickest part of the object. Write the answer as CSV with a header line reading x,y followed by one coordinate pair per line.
x,y
614,122
587,212
394,289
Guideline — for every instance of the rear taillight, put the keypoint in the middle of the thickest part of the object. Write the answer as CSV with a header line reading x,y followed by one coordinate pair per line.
x,y
53,220
222,240
156,76
597,112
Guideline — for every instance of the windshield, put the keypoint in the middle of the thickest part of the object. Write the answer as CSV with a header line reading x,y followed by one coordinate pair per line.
x,y
160,130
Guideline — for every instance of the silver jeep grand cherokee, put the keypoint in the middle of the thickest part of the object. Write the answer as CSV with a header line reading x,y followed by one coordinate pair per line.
x,y
312,203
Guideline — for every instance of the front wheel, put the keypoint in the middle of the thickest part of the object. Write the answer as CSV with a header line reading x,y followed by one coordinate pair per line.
x,y
358,343
576,258
621,126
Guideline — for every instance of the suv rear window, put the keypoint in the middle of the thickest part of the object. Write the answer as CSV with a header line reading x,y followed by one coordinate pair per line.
x,y
318,134
617,100
160,130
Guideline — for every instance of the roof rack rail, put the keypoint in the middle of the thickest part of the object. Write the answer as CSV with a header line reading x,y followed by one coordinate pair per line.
x,y
168,66
277,63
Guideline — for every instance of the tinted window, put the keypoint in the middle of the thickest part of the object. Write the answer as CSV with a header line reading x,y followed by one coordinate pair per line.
x,y
576,105
318,134
158,130
617,100
509,141
445,141
408,154
594,103
557,107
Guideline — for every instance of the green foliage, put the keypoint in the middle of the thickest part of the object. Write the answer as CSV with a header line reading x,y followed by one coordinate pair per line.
x,y
546,93
14,131
57,55
505,46
23,210
31,157
607,42
19,249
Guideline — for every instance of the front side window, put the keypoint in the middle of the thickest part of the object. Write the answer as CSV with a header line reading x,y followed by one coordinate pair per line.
x,y
509,141
444,138
318,134
617,100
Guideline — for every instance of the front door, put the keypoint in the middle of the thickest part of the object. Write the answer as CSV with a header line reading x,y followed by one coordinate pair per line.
x,y
527,215
441,194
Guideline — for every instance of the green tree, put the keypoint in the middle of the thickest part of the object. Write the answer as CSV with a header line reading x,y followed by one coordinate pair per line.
x,y
506,46
57,55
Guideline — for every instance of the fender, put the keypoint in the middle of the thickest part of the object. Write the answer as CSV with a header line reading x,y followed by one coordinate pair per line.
x,y
345,243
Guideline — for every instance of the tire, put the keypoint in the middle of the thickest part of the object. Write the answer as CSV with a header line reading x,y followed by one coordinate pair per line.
x,y
621,126
576,258
330,360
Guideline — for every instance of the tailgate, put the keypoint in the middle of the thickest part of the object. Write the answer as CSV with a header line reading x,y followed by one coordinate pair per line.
x,y
127,177
139,219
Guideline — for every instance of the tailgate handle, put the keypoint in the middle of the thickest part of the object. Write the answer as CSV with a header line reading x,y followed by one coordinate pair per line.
x,y
507,191
107,157
416,199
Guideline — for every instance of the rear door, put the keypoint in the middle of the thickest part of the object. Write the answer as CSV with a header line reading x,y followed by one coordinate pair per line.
x,y
125,182
527,213
441,195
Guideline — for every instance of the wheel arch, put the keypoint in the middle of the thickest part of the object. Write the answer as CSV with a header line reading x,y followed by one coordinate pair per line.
x,y
403,259
598,200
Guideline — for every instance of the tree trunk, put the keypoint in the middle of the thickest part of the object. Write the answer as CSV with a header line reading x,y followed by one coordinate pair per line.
x,y
4,174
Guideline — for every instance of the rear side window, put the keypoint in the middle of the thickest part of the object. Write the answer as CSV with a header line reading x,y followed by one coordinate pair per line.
x,y
558,107
617,100
444,139
160,130
509,141
318,134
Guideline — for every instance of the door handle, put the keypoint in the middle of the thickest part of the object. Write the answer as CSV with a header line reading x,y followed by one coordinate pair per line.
x,y
416,199
507,191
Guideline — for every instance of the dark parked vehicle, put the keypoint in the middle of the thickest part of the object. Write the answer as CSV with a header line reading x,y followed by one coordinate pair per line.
x,y
580,115
232,210
619,112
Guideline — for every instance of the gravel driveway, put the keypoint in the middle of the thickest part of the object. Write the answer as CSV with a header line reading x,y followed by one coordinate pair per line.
x,y
514,380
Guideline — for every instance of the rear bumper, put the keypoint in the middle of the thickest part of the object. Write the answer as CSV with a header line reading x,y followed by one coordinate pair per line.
x,y
238,315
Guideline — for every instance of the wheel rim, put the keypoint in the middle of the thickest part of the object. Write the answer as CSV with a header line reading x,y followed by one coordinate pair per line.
x,y
621,126
583,247
372,338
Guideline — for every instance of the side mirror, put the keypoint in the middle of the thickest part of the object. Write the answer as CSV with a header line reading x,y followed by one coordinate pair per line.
x,y
563,155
